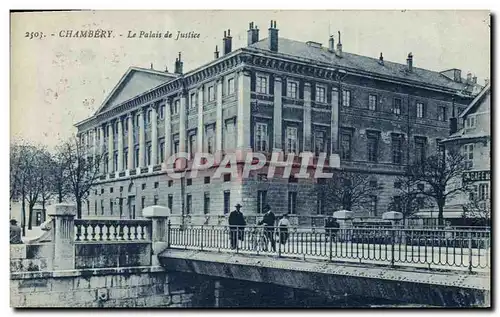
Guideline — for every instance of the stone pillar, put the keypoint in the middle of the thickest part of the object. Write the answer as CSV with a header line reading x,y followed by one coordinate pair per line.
x,y
307,133
168,129
101,148
344,218
218,119
154,136
201,127
131,147
142,139
120,145
95,146
111,150
244,111
277,115
183,124
159,230
64,236
395,218
334,122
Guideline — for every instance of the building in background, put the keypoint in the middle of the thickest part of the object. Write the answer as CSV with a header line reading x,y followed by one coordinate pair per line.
x,y
275,94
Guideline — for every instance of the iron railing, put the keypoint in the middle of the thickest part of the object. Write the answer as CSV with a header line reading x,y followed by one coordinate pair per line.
x,y
438,248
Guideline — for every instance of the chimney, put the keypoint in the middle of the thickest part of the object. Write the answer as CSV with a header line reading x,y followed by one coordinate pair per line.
x,y
409,62
469,78
381,59
253,34
453,119
166,69
339,47
273,37
331,44
178,64
216,53
457,75
152,66
474,80
227,42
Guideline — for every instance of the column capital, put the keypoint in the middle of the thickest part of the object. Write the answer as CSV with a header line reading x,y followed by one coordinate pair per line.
x,y
307,84
280,78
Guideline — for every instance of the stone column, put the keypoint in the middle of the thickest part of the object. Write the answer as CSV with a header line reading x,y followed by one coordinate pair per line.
x,y
218,117
154,136
334,123
307,133
168,129
201,127
142,139
95,146
183,124
64,243
101,148
159,230
244,111
111,150
277,115
120,145
131,148
344,218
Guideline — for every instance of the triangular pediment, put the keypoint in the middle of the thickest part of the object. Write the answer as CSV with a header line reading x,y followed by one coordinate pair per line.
x,y
134,82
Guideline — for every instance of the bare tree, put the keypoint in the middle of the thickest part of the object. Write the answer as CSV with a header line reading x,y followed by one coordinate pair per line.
x,y
441,175
59,176
348,190
82,171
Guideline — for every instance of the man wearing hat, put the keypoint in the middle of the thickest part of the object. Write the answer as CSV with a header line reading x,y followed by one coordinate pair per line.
x,y
15,233
237,224
268,222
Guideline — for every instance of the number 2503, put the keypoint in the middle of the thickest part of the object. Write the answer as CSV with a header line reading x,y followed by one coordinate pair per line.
x,y
34,35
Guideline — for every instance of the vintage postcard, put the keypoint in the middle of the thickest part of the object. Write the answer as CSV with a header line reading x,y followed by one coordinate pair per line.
x,y
255,159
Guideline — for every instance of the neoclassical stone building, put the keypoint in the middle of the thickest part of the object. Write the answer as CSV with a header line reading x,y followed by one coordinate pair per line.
x,y
275,94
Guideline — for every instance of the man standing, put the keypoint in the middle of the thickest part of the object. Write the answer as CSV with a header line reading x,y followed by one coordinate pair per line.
x,y
268,221
236,226
331,227
15,233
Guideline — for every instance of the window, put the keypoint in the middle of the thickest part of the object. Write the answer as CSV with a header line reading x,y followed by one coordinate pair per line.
x,y
420,110
115,161
155,200
291,89
468,153
397,185
136,157
161,152
143,186
397,149
292,203
210,139
291,140
170,183
206,180
441,113
149,116
372,141
230,86
176,146
346,98
227,197
102,190
156,184
192,100
469,122
162,112
175,107
106,164
230,135
189,182
148,154
211,93
189,204
143,202
261,86
111,189
125,158
320,94
345,146
373,184
396,106
261,137
261,200
95,207
102,206
372,102
293,179
206,203
227,177
373,205
483,191
170,202
420,154
192,145
319,142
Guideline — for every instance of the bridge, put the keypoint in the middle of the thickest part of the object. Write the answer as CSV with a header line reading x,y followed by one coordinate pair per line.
x,y
154,263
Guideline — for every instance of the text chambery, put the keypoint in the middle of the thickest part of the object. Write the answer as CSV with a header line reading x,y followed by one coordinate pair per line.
x,y
162,35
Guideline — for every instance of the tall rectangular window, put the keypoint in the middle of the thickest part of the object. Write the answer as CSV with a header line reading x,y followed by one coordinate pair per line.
x,y
211,93
136,157
206,203
227,200
192,100
372,142
170,202
396,106
261,200
106,163
261,85
230,86
230,135
484,191
441,113
420,110
156,200
291,140
102,206
261,137
420,150
125,158
175,107
192,145
468,153
115,161
189,204
373,205
210,143
176,146
162,114
292,203
161,151
320,94
319,142
470,122
143,202
111,206
397,149
291,89
148,154
345,146
372,102
346,98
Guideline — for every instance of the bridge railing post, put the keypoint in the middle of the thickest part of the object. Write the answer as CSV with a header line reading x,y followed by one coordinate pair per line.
x,y
64,236
470,250
160,230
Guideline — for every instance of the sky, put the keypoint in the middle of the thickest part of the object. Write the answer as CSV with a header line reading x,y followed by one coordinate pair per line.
x,y
57,82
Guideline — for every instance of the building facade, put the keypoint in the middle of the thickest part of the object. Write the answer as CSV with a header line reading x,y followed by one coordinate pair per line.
x,y
274,95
